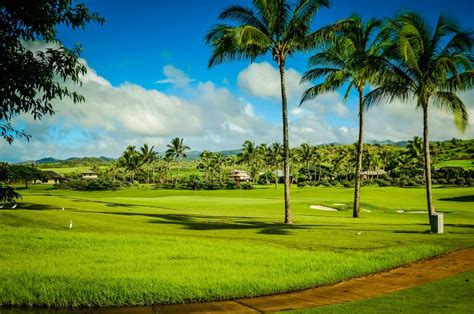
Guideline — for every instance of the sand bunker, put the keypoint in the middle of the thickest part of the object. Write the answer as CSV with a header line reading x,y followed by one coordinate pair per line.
x,y
366,210
339,204
402,211
319,207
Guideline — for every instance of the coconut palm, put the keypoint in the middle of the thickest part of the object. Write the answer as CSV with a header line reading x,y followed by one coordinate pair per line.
x,y
131,161
177,150
306,155
148,157
354,60
275,156
249,155
276,27
430,67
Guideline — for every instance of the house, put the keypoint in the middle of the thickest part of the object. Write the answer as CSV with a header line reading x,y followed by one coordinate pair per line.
x,y
89,175
368,174
50,177
240,176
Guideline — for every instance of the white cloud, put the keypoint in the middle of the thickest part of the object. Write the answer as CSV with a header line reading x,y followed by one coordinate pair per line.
x,y
113,117
175,76
401,121
263,80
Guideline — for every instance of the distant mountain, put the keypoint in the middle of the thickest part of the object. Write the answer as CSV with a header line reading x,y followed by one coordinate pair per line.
x,y
71,160
194,155
389,142
47,160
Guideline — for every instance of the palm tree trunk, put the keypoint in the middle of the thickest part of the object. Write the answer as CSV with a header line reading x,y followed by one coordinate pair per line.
x,y
286,148
360,146
426,149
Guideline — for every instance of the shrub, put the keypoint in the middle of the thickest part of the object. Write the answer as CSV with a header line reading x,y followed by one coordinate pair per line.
x,y
231,185
347,184
383,183
91,185
302,184
246,186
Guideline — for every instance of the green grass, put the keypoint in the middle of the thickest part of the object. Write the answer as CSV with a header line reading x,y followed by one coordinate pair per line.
x,y
452,295
466,164
138,246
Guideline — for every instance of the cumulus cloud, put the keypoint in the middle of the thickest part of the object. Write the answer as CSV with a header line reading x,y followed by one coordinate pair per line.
x,y
263,80
400,121
113,117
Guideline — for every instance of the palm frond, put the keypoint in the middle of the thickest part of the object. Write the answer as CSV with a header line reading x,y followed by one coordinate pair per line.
x,y
450,102
244,16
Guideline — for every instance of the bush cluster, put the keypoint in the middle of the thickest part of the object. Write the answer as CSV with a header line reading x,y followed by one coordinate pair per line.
x,y
90,185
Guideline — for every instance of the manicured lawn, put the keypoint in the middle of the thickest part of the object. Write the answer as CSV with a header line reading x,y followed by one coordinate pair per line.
x,y
139,246
452,295
466,164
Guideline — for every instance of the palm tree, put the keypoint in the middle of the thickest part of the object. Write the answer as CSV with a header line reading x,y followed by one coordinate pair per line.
x,y
148,157
177,150
306,154
430,67
278,27
249,155
275,156
354,59
131,161
205,163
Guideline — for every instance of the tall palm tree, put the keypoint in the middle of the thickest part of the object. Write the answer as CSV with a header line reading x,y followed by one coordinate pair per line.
x,y
429,67
177,150
354,59
276,27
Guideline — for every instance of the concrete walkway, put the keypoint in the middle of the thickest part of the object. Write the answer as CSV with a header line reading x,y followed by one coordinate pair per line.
x,y
350,290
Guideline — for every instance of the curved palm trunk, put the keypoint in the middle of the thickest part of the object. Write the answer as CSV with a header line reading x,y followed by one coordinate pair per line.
x,y
360,147
427,163
286,148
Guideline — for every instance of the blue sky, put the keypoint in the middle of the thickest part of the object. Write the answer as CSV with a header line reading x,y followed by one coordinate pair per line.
x,y
145,42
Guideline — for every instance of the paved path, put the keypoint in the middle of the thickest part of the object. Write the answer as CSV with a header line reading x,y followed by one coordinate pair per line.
x,y
350,290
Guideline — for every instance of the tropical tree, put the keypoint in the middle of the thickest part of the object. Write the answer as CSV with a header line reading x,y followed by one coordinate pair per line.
x,y
275,157
177,150
148,156
306,155
250,156
131,161
353,60
276,27
430,66
31,80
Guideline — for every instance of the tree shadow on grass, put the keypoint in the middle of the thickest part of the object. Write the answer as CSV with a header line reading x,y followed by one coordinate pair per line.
x,y
203,222
464,198
31,206
460,226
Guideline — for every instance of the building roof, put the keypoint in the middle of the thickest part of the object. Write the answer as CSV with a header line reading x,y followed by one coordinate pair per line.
x,y
52,175
89,172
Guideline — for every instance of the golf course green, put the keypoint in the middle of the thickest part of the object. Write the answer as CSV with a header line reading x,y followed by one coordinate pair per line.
x,y
140,246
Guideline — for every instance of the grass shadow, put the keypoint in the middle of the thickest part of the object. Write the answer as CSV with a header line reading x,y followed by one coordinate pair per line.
x,y
31,206
464,198
460,226
203,223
